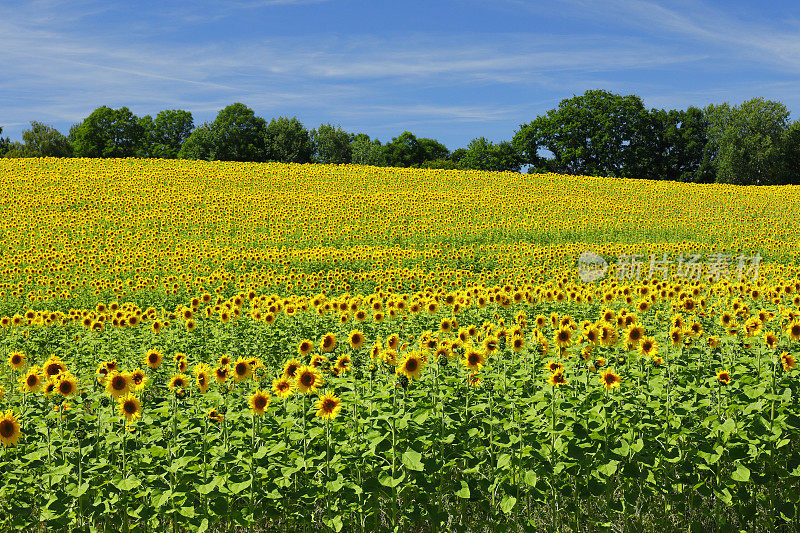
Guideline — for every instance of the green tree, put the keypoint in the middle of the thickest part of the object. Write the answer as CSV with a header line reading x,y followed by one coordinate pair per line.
x,y
42,140
671,146
199,144
485,155
368,151
108,132
166,134
5,142
753,143
332,144
288,141
432,149
596,133
237,134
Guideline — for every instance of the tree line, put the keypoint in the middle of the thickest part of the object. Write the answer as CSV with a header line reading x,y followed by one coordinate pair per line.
x,y
598,133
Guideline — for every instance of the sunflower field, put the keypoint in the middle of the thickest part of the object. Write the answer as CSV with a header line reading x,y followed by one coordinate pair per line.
x,y
210,346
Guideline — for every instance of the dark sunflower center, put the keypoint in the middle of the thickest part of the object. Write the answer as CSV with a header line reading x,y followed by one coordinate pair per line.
x,y
130,407
153,358
328,405
411,365
241,369
118,383
6,429
32,380
260,402
15,360
473,359
307,380
610,378
65,387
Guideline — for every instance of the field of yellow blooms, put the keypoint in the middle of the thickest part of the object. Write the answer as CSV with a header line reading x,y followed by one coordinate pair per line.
x,y
210,346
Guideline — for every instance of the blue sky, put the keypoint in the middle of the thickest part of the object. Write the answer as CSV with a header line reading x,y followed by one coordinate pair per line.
x,y
449,70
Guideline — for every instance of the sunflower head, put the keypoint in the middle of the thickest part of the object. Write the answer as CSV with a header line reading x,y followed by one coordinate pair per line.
x,y
557,379
328,406
153,359
609,379
282,387
259,401
9,428
129,407
307,379
724,377
16,360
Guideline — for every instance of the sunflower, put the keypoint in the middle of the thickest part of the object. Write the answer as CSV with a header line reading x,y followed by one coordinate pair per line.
x,y
178,382
9,428
328,406
67,384
658,361
215,416
676,336
282,387
563,337
474,359
411,365
305,347
342,363
118,384
634,335
609,379
224,360
242,370
53,367
129,407
491,344
554,366
328,342
290,368
648,347
153,359
203,381
793,330
318,361
724,376
16,360
138,379
307,379
393,341
788,361
713,342
221,374
557,379
259,401
356,339
474,379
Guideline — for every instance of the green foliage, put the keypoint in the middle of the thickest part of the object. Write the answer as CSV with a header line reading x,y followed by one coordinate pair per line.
x,y
165,136
753,143
485,155
288,141
108,132
367,151
332,144
42,140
